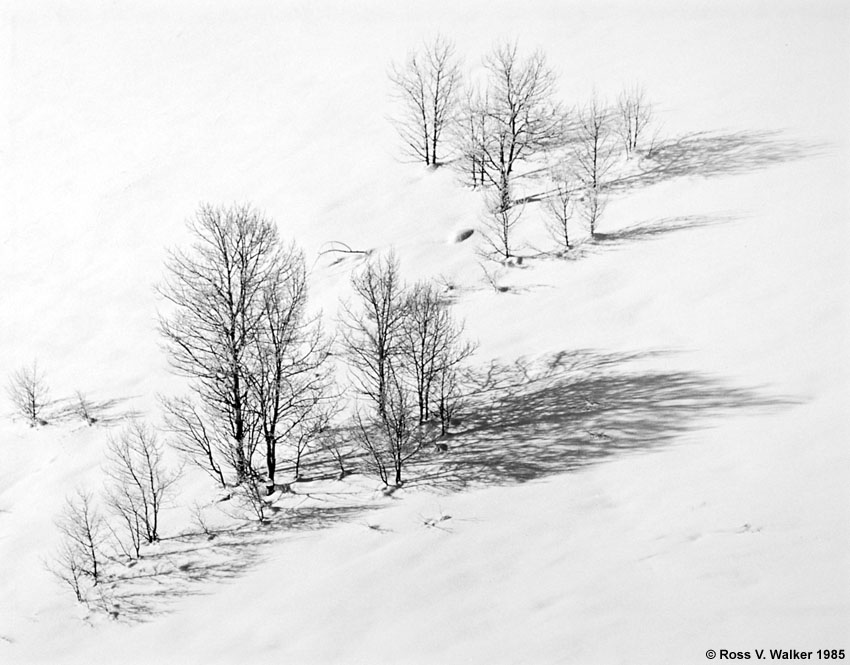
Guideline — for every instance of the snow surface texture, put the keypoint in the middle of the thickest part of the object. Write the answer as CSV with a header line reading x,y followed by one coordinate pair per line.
x,y
659,463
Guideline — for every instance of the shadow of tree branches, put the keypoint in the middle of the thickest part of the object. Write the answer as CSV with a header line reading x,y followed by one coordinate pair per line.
x,y
532,421
184,565
709,154
650,229
529,420
100,411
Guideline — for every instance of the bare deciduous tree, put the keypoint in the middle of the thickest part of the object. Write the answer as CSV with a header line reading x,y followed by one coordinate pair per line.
x,y
288,382
84,408
372,339
493,277
217,291
392,437
448,385
68,566
559,210
141,481
521,118
468,135
635,113
427,87
29,393
371,333
594,154
498,226
430,337
80,550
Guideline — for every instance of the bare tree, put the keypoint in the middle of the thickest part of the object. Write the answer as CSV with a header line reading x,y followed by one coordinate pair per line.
x,y
498,227
141,480
195,435
126,505
372,340
392,437
594,154
217,292
84,408
288,382
493,277
469,133
371,333
559,210
448,388
29,393
521,118
426,86
429,337
83,536
635,113
68,565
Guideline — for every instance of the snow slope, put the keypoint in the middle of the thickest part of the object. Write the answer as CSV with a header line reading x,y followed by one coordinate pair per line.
x,y
662,467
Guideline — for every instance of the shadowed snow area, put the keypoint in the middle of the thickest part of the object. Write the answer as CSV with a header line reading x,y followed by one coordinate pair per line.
x,y
652,455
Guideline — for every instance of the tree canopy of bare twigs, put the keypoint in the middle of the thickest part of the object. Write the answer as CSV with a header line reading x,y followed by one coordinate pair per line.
x,y
497,228
634,115
289,382
513,120
83,534
426,85
404,349
559,209
29,393
594,155
141,482
468,136
218,291
390,437
372,337
371,329
432,343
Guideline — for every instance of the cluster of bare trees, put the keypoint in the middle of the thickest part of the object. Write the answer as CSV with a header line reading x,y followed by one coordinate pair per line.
x,y
140,483
238,330
30,396
405,352
257,362
501,128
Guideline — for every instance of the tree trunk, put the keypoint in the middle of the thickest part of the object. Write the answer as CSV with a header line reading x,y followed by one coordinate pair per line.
x,y
271,460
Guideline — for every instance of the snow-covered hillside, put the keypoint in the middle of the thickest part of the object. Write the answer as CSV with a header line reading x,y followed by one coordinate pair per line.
x,y
659,464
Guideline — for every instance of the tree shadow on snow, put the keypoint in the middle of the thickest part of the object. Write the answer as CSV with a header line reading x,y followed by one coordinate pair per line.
x,y
99,411
651,229
528,420
187,564
709,154
574,409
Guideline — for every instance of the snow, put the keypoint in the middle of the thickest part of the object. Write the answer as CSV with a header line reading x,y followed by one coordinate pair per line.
x,y
665,467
